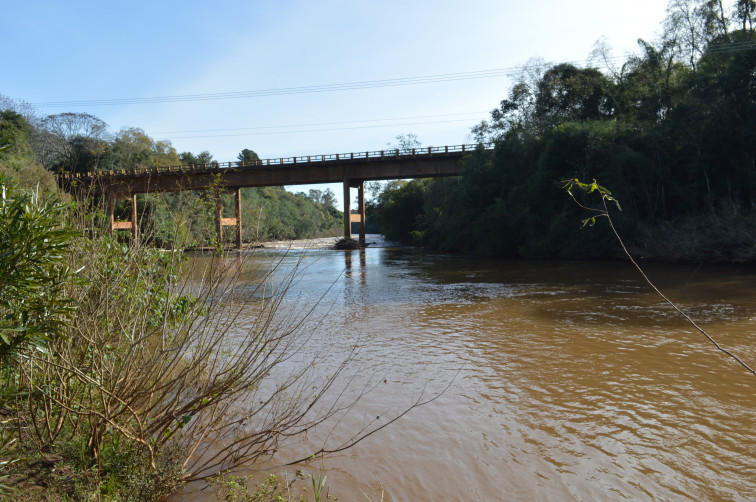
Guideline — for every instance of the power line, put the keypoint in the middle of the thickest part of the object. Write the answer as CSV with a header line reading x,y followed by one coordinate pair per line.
x,y
265,133
367,84
345,86
317,124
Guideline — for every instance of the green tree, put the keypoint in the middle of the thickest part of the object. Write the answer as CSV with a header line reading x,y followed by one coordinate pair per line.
x,y
745,11
134,149
248,157
568,93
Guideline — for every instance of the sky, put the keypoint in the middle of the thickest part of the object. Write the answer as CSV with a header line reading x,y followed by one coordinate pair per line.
x,y
295,77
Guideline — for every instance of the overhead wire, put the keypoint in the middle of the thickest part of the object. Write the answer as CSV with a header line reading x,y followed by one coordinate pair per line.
x,y
262,133
318,124
344,86
724,48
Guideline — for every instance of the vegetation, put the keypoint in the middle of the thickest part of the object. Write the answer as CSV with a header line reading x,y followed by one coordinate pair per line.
x,y
121,378
672,131
123,373
80,143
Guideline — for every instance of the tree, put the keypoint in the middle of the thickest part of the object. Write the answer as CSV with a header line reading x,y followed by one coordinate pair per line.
x,y
405,143
133,149
248,157
745,11
14,135
65,138
516,115
568,93
323,197
328,198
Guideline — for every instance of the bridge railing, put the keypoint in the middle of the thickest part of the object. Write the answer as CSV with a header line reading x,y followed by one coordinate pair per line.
x,y
429,151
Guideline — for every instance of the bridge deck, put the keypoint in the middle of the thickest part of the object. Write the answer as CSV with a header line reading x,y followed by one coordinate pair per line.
x,y
362,166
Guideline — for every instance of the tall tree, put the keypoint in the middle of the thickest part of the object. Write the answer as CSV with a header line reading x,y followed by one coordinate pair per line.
x,y
71,142
248,157
745,11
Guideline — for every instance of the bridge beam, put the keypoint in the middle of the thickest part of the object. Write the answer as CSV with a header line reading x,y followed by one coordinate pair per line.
x,y
315,171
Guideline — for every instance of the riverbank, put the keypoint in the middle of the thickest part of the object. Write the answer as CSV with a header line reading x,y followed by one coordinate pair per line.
x,y
371,240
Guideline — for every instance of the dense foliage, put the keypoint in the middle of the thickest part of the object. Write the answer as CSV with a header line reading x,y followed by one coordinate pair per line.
x,y
672,133
33,273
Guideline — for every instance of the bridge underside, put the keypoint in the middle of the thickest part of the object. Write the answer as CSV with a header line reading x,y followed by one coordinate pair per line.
x,y
123,185
352,172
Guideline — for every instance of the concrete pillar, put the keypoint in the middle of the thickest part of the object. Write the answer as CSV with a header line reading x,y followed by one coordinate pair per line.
x,y
347,211
134,226
238,219
361,209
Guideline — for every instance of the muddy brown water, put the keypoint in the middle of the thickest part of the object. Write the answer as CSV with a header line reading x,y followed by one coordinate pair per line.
x,y
563,380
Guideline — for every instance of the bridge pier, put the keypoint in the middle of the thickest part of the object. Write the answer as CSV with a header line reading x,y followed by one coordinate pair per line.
x,y
360,216
123,225
361,210
347,211
221,222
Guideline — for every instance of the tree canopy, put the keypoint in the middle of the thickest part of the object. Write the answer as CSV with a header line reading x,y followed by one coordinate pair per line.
x,y
672,132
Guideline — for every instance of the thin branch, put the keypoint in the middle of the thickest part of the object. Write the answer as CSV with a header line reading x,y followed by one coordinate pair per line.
x,y
605,195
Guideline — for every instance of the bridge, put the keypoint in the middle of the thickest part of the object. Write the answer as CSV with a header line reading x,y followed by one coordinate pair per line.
x,y
351,169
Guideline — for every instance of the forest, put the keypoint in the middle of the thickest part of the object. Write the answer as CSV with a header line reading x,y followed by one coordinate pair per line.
x,y
671,131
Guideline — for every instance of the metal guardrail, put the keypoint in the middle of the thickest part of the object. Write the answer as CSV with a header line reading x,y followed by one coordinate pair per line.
x,y
282,161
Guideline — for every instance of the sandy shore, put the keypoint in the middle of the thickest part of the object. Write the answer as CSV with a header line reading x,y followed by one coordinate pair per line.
x,y
372,240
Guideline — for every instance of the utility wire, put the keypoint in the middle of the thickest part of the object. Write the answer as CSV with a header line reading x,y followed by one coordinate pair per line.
x,y
264,133
317,124
345,86
366,84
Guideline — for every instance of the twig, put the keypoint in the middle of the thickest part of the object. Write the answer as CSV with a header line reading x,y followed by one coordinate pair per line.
x,y
606,195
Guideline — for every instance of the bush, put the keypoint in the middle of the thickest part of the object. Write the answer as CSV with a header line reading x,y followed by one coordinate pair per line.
x,y
34,236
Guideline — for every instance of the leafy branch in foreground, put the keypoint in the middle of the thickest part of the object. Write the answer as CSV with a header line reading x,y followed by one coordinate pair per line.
x,y
34,237
575,184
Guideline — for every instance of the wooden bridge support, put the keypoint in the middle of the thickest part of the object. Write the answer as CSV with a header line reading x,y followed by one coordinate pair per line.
x,y
221,222
123,225
360,216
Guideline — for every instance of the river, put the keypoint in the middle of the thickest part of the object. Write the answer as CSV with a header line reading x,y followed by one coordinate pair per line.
x,y
557,380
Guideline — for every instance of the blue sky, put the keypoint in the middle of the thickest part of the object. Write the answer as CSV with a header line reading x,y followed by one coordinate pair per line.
x,y
86,50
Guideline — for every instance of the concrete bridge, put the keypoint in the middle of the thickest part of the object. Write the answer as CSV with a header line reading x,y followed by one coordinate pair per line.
x,y
351,169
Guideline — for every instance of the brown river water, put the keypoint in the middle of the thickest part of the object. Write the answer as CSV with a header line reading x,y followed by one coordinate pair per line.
x,y
563,380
